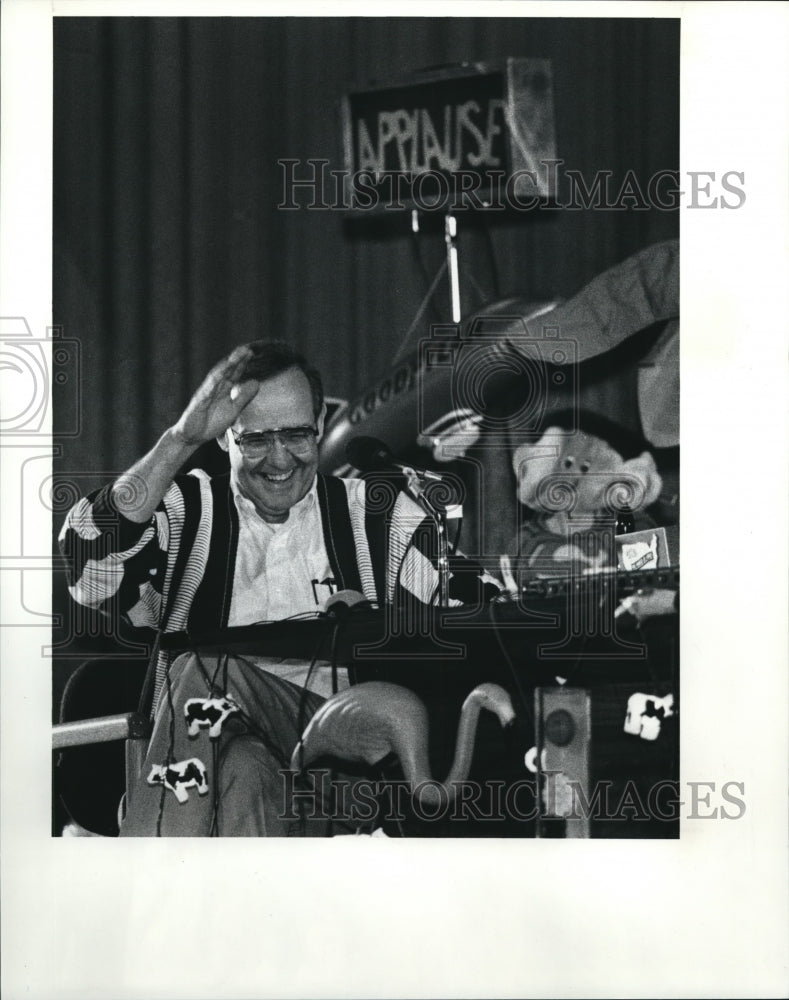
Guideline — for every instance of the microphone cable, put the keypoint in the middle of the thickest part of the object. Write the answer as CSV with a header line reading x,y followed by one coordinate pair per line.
x,y
211,683
301,720
171,746
512,669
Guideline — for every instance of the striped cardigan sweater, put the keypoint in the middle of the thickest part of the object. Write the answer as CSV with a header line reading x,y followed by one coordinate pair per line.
x,y
175,573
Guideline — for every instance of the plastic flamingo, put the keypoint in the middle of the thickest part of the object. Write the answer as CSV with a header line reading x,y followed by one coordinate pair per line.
x,y
367,722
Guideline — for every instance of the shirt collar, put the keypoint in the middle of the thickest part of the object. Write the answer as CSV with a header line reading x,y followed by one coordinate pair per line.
x,y
246,508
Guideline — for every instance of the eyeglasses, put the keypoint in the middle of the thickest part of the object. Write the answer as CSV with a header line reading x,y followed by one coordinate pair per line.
x,y
257,444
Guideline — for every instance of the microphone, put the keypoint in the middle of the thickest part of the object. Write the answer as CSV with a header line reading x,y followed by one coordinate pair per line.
x,y
339,605
368,454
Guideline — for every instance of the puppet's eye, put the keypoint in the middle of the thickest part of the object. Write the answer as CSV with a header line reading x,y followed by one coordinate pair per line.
x,y
585,466
568,462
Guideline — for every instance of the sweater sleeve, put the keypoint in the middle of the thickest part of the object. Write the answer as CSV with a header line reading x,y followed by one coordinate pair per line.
x,y
115,565
414,558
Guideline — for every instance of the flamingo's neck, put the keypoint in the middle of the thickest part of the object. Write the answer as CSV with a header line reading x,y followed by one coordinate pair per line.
x,y
486,696
417,772
464,744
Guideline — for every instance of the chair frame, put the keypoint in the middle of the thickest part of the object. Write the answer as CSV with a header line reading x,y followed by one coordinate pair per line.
x,y
131,727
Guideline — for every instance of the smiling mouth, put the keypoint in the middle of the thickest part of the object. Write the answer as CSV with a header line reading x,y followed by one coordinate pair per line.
x,y
278,477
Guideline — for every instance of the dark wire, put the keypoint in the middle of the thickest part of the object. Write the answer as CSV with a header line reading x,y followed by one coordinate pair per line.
x,y
600,605
334,686
304,692
300,722
213,830
428,527
170,748
149,681
577,663
211,681
301,616
333,661
480,294
415,243
381,772
221,664
493,265
171,745
252,727
511,666
454,547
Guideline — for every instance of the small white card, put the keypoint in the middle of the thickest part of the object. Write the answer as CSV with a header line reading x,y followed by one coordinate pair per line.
x,y
642,550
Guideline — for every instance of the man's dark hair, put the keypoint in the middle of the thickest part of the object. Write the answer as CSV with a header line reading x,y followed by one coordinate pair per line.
x,y
272,357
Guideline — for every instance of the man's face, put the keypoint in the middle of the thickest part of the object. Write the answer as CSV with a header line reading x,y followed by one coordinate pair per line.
x,y
277,480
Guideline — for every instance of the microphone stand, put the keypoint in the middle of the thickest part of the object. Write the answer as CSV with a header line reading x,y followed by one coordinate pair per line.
x,y
416,488
450,238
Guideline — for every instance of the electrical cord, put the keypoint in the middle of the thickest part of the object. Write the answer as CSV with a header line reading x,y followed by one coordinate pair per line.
x,y
419,313
170,748
250,726
511,666
301,720
493,264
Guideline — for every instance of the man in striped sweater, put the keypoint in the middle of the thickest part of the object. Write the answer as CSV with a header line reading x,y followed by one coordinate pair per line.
x,y
270,540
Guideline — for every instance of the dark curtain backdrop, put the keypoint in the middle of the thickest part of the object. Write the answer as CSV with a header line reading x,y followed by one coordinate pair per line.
x,y
169,247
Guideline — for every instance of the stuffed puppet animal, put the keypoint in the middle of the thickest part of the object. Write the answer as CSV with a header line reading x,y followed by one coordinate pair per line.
x,y
582,476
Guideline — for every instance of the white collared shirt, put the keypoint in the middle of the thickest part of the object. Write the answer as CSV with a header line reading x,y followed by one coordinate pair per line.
x,y
283,570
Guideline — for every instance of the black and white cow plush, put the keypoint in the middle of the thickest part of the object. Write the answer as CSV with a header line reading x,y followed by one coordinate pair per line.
x,y
180,776
645,714
210,712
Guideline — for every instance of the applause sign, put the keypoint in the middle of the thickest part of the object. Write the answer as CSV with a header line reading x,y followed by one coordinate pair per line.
x,y
478,136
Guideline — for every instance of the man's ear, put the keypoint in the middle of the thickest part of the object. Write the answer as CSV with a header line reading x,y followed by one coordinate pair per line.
x,y
320,422
222,441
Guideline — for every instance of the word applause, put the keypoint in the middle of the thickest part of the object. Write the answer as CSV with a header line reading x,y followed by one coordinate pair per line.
x,y
421,139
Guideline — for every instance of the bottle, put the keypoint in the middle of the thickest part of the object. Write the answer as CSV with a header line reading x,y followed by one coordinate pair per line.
x,y
625,522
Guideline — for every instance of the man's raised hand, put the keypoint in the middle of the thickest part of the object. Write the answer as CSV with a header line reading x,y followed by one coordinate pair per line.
x,y
213,408
219,400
